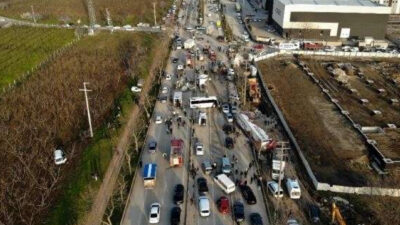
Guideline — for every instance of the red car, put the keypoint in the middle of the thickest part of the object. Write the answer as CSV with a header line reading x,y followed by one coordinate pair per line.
x,y
259,46
223,205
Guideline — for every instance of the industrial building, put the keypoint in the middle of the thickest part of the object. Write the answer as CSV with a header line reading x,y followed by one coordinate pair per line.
x,y
328,19
393,4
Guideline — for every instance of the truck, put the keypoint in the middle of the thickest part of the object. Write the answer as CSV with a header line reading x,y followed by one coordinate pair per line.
x,y
238,7
258,137
177,98
189,60
278,166
149,175
176,153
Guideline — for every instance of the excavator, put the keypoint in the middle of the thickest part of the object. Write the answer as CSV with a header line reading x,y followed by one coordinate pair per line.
x,y
336,215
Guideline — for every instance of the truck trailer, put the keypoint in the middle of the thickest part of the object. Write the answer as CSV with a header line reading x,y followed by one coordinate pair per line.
x,y
149,175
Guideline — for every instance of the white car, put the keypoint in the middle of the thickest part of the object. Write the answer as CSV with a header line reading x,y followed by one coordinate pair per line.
x,y
154,216
164,90
158,120
273,188
136,89
168,77
229,117
59,157
225,108
204,206
180,67
199,149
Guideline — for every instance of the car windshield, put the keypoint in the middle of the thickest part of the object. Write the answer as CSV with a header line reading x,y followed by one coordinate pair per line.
x,y
153,215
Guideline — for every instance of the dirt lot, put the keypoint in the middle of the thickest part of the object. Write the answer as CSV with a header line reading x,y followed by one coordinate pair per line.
x,y
382,75
325,136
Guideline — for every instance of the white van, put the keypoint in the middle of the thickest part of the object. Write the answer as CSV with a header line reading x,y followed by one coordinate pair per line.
x,y
204,206
226,165
59,157
225,183
293,188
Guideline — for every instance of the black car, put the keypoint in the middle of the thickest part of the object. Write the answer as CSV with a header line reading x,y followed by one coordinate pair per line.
x,y
175,60
313,213
175,216
152,146
255,219
238,211
228,129
228,142
248,194
202,185
178,194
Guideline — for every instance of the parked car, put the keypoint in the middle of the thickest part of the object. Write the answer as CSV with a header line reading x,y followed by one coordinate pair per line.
x,y
206,166
136,89
225,108
233,109
158,120
229,117
59,157
154,216
176,215
229,143
179,67
175,60
178,194
164,90
202,185
223,205
238,212
228,129
199,149
273,188
168,77
256,219
248,194
314,213
204,206
152,146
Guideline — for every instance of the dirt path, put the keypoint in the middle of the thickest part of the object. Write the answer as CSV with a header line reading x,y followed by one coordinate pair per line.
x,y
95,216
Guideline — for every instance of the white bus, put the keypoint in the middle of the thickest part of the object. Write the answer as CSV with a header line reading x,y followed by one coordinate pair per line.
x,y
203,102
225,183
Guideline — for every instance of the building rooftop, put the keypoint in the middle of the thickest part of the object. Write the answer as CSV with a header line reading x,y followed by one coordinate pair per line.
x,y
330,2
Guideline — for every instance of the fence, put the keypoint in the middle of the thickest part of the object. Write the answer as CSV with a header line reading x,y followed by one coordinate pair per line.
x,y
320,53
317,185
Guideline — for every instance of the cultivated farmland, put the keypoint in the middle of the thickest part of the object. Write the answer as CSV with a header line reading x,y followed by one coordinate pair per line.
x,y
59,11
47,111
22,48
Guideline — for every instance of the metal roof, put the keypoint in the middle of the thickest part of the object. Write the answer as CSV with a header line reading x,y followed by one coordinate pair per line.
x,y
330,2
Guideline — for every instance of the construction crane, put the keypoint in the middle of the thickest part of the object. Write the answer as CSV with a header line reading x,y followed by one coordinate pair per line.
x,y
336,215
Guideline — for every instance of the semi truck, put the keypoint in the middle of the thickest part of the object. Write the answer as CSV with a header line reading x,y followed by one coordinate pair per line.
x,y
149,175
176,153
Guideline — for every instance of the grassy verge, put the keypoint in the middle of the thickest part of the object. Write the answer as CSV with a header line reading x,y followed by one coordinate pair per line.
x,y
23,48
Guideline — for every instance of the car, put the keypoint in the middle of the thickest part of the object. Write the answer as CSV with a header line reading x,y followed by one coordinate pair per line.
x,y
256,219
225,108
188,28
152,146
158,120
204,206
202,185
248,194
164,90
59,157
199,149
234,109
258,46
179,67
136,89
231,72
229,143
229,117
314,213
163,98
168,77
223,205
228,129
154,215
178,194
206,166
273,188
175,60
176,215
238,212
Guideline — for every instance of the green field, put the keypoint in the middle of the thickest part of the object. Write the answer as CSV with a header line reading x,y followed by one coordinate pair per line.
x,y
22,48
60,11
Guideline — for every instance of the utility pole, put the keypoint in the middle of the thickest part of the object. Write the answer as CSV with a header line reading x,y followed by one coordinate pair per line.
x,y
87,107
154,12
33,14
282,153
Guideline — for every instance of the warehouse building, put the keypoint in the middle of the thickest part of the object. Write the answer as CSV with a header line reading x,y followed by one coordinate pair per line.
x,y
330,19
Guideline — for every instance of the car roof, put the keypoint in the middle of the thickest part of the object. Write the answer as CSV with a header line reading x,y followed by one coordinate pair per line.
x,y
204,203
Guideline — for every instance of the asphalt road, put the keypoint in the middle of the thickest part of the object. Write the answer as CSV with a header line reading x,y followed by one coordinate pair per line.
x,y
211,136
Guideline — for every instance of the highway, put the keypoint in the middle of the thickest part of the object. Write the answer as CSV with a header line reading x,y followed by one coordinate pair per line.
x,y
211,136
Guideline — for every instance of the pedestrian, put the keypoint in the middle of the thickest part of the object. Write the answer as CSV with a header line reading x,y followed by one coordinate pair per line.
x,y
250,164
245,173
251,180
236,171
241,173
140,163
245,182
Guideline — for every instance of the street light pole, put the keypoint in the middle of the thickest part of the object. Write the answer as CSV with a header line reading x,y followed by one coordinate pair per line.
x,y
87,107
154,12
